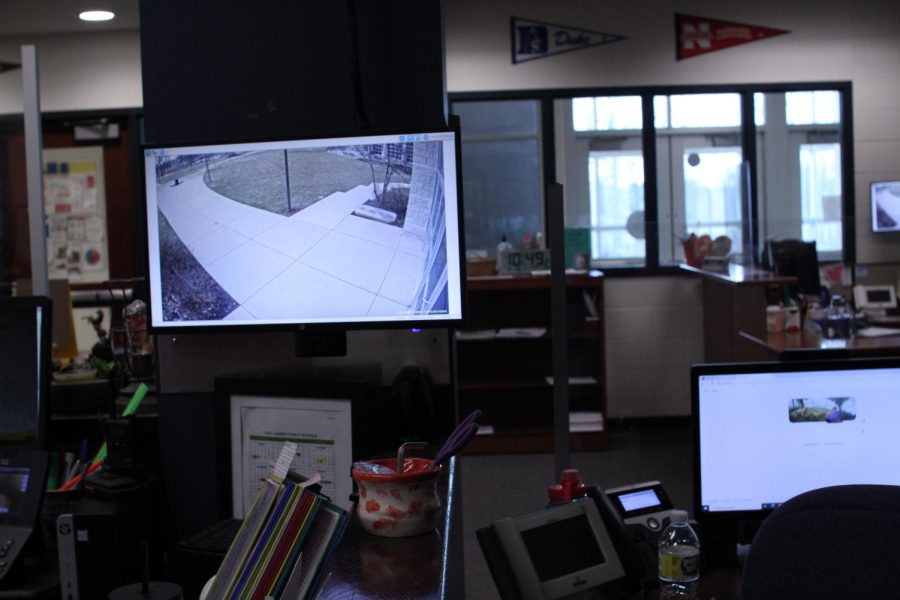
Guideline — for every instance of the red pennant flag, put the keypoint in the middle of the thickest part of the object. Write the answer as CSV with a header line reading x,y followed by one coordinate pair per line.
x,y
699,35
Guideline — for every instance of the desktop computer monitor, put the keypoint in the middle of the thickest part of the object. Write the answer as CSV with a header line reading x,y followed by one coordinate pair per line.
x,y
25,364
798,259
766,432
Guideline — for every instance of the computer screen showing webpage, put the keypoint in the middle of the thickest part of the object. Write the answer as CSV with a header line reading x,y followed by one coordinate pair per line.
x,y
766,437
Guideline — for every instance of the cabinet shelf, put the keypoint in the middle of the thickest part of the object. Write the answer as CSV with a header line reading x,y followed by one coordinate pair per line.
x,y
534,282
522,384
514,440
506,358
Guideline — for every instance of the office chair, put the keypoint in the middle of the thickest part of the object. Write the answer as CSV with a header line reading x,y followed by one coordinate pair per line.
x,y
834,543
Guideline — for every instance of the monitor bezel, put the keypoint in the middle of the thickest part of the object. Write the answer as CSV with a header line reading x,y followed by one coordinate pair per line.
x,y
719,518
874,214
45,361
300,326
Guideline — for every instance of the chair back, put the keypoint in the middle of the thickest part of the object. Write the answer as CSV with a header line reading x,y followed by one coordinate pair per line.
x,y
834,543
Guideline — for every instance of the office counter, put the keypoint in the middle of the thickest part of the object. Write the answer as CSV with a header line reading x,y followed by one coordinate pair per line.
x,y
735,301
784,345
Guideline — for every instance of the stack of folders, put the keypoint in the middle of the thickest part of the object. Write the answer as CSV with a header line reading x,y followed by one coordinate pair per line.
x,y
284,543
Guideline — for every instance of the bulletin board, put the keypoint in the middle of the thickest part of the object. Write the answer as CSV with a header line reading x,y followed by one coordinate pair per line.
x,y
75,207
322,417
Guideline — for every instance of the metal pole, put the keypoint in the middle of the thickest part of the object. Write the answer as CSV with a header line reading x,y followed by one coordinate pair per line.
x,y
559,328
34,171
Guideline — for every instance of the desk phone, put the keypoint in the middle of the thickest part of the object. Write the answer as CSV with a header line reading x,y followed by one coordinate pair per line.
x,y
645,509
874,296
23,474
549,554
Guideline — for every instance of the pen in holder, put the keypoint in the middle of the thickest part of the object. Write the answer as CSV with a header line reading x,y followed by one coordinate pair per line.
x,y
398,496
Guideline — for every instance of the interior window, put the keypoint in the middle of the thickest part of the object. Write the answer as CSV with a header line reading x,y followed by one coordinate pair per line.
x,y
702,174
810,108
606,113
705,110
501,168
799,178
820,195
617,205
603,176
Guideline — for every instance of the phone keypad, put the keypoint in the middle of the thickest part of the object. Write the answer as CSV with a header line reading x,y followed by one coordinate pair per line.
x,y
7,554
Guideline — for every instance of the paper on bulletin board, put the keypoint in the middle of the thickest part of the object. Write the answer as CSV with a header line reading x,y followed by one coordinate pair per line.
x,y
322,430
75,206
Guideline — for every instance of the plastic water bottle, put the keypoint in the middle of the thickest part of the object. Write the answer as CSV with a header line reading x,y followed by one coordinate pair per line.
x,y
679,559
839,319
502,247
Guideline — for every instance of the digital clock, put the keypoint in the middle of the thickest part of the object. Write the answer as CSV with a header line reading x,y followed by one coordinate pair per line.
x,y
524,261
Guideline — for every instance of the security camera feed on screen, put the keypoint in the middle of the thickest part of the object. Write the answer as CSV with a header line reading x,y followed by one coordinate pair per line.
x,y
885,206
340,230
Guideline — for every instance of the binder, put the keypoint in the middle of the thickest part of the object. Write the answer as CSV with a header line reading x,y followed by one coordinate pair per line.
x,y
297,528
283,547
319,545
250,529
242,587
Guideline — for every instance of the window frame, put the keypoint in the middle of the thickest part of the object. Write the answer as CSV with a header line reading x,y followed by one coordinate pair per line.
x,y
751,225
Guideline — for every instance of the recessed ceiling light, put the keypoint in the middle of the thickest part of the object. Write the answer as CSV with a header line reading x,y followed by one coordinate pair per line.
x,y
96,15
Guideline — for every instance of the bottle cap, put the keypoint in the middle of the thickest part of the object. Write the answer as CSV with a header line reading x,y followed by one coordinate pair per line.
x,y
570,479
556,494
678,516
570,476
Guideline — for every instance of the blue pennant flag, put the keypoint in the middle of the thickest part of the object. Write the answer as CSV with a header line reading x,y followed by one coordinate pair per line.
x,y
534,39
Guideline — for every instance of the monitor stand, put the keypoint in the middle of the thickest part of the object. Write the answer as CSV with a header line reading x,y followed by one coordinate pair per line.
x,y
719,545
726,544
308,343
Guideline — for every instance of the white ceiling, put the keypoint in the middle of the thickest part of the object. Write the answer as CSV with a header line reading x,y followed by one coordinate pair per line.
x,y
37,17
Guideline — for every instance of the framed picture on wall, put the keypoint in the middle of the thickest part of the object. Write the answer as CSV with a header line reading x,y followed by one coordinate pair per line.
x,y
323,418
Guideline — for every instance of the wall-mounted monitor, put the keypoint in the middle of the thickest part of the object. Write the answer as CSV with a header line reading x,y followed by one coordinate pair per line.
x,y
357,231
885,197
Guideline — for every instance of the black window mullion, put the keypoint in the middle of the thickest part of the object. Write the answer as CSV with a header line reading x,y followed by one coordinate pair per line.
x,y
548,154
651,195
848,218
749,191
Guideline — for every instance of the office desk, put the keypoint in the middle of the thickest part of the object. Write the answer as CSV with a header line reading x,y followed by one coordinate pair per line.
x,y
717,583
364,566
801,345
424,567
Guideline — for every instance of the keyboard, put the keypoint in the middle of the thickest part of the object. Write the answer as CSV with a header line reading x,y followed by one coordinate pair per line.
x,y
215,539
